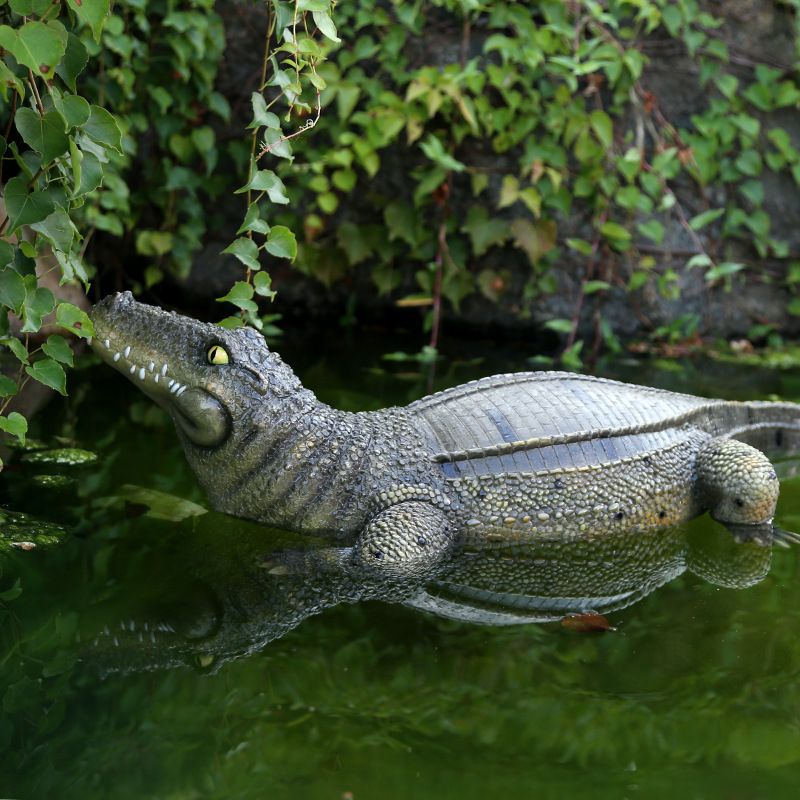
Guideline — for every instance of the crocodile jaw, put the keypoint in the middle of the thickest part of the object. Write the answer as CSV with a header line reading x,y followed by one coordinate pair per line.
x,y
139,349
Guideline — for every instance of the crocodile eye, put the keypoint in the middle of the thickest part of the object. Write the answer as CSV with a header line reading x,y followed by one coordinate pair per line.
x,y
217,355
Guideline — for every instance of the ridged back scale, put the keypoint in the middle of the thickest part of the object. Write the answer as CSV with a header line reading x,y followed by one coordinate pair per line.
x,y
533,422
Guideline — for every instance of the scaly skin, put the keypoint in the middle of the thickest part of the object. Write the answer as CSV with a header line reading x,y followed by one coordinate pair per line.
x,y
508,459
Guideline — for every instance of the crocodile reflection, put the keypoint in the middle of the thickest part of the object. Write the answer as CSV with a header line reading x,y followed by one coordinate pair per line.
x,y
227,600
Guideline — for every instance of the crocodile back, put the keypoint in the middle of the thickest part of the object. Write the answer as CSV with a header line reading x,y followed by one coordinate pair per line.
x,y
552,420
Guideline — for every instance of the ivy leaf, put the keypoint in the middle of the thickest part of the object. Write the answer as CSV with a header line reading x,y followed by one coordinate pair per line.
x,y
102,127
35,45
265,180
73,62
24,208
15,424
27,7
12,289
71,317
50,373
38,302
260,114
58,229
90,173
246,250
483,230
434,150
16,347
44,134
263,283
73,108
93,12
57,348
7,386
281,243
241,296
322,19
253,222
701,220
535,239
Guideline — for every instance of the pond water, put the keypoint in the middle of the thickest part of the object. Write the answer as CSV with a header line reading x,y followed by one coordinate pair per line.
x,y
696,692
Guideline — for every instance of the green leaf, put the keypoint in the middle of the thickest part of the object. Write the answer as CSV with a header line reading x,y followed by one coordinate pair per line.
x,y
27,7
58,229
73,62
50,373
7,386
260,114
24,208
241,296
44,134
160,505
39,301
8,80
266,180
35,45
322,20
483,230
57,348
602,126
71,317
262,283
281,243
618,237
559,325
434,150
16,347
535,238
591,287
253,221
89,174
73,108
93,12
15,424
246,250
12,289
102,128
700,220
652,229
7,253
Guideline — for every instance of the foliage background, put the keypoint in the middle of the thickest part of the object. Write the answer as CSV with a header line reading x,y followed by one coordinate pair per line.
x,y
511,164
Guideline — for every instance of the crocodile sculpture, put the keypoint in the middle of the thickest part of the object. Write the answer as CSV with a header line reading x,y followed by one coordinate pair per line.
x,y
494,463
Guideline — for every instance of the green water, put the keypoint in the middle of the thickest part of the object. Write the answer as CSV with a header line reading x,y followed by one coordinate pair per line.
x,y
695,694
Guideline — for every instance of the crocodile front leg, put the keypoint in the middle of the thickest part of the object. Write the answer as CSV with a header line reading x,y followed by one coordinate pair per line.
x,y
400,542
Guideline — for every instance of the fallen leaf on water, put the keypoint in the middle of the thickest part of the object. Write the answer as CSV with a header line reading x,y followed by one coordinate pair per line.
x,y
588,622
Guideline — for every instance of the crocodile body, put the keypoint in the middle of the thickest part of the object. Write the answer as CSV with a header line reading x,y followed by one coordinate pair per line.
x,y
494,463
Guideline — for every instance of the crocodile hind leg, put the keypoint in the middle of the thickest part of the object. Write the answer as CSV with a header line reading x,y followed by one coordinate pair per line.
x,y
738,485
402,541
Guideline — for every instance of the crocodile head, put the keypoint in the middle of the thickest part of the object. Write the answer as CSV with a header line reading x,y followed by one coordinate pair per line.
x,y
224,389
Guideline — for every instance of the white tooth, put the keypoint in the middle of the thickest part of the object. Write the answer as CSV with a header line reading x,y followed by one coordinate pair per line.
x,y
106,631
89,340
133,369
116,641
141,374
127,351
155,380
175,387
180,391
170,383
163,370
107,343
151,366
117,356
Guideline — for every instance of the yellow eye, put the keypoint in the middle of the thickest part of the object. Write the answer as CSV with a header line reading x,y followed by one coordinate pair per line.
x,y
217,355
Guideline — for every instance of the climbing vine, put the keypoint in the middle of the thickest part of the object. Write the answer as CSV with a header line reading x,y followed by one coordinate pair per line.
x,y
453,151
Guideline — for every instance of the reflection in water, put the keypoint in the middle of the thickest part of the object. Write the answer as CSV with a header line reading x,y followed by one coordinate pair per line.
x,y
215,596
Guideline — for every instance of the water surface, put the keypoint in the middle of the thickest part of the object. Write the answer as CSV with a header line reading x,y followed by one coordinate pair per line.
x,y
695,693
